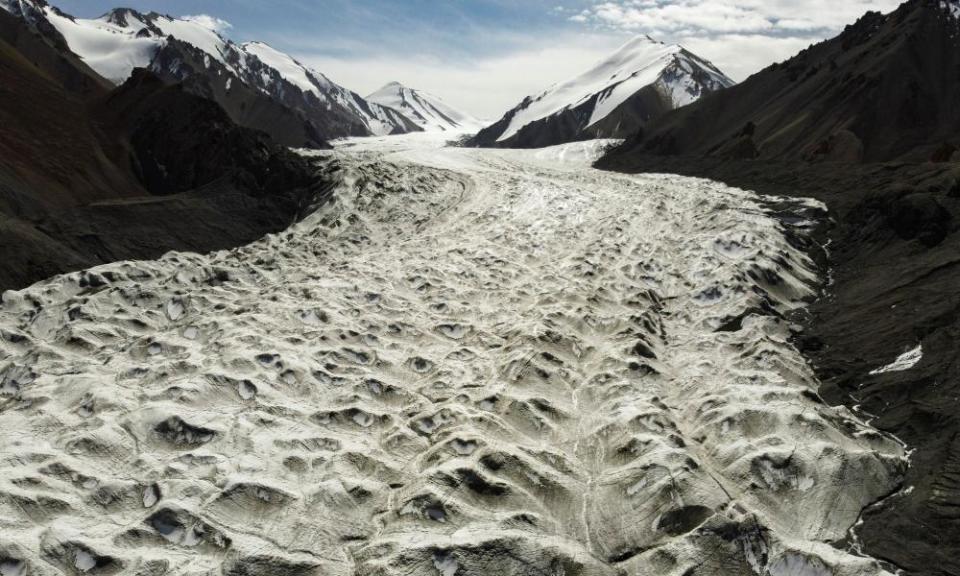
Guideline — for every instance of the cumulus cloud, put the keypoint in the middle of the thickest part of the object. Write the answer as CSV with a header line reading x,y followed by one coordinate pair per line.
x,y
739,36
485,86
486,68
740,55
209,22
768,17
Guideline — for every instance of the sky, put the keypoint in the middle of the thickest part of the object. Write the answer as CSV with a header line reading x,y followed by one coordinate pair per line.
x,y
484,56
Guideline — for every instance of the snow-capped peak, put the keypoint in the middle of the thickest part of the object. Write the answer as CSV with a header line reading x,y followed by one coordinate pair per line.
x,y
639,63
113,44
123,39
124,18
378,119
426,110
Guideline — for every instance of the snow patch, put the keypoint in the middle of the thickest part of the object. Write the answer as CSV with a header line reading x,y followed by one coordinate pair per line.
x,y
583,153
951,6
291,70
904,362
112,51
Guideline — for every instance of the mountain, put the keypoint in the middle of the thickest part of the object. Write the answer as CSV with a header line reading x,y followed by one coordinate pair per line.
x,y
426,110
258,86
886,88
91,173
639,82
320,91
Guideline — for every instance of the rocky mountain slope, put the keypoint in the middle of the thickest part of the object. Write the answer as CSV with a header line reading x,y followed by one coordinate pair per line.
x,y
426,110
258,86
884,89
90,173
867,123
638,83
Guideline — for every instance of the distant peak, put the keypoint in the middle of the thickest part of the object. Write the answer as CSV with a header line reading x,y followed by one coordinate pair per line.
x,y
154,15
121,16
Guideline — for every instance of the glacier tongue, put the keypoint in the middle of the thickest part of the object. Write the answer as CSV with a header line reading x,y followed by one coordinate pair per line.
x,y
472,362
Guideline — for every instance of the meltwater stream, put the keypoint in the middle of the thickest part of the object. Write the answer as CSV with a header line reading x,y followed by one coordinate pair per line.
x,y
470,363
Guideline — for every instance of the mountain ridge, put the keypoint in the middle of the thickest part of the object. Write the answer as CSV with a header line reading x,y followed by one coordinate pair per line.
x,y
92,173
180,50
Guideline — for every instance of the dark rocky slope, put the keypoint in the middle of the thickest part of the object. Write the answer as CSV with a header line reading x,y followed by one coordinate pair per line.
x,y
286,123
883,92
89,175
257,86
887,88
570,125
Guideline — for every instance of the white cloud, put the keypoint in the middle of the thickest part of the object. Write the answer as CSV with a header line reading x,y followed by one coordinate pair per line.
x,y
209,22
740,55
483,86
740,36
773,17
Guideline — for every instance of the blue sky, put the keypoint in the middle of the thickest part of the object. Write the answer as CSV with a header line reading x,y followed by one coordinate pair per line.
x,y
485,55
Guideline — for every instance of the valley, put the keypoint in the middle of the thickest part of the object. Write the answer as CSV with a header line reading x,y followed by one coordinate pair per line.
x,y
467,362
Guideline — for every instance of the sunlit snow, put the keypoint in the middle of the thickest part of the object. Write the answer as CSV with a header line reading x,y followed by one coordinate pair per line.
x,y
905,361
637,64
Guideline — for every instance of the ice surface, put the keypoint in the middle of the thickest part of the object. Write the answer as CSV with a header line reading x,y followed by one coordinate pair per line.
x,y
471,362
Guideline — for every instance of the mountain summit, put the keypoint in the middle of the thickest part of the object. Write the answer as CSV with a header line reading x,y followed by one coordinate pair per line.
x,y
258,86
638,82
426,110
